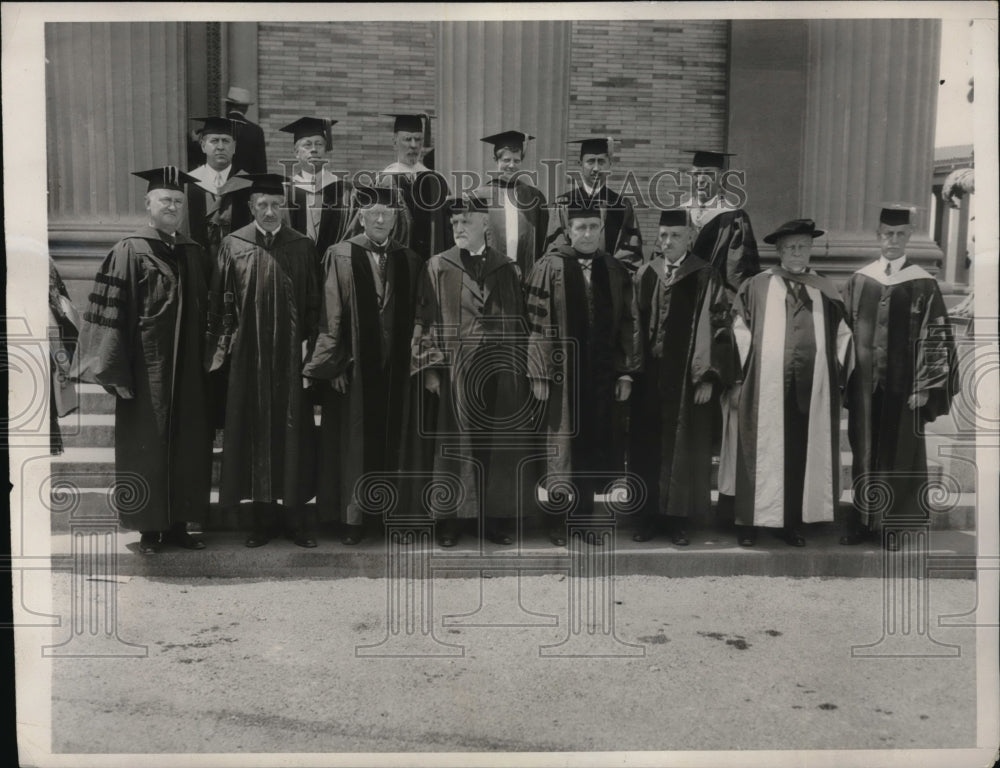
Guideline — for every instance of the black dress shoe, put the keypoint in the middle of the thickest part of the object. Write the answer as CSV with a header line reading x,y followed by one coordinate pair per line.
x,y
679,538
746,540
557,538
500,537
891,543
448,540
850,539
646,533
149,544
594,539
183,539
305,540
796,540
257,539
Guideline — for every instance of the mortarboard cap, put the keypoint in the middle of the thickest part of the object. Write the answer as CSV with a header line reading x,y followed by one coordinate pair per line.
x,y
220,125
511,139
367,196
708,159
603,145
165,177
471,203
896,214
310,126
266,183
675,217
408,123
794,227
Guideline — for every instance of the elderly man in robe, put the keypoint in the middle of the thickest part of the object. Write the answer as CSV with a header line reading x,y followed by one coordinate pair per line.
x,y
905,375
263,313
142,339
788,463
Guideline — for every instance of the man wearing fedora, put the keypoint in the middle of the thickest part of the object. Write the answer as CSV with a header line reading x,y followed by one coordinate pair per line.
x,y
788,462
251,155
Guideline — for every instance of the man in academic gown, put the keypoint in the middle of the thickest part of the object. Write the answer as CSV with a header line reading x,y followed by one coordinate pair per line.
x,y
620,235
583,351
263,313
685,323
424,225
251,150
519,216
905,375
724,238
217,200
142,339
320,200
361,361
469,351
64,325
788,464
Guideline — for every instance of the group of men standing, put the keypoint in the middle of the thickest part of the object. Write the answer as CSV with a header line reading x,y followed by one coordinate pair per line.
x,y
498,342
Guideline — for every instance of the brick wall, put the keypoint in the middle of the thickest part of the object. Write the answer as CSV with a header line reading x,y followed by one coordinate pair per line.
x,y
659,86
350,72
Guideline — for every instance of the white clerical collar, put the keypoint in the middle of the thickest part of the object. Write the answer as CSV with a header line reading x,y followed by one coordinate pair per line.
x,y
378,246
894,265
264,231
308,178
480,252
674,263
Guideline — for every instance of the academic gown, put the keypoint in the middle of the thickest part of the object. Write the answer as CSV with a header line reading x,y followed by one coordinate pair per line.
x,y
621,236
144,330
251,150
687,338
335,215
528,206
368,339
764,457
903,345
471,329
210,216
581,356
263,313
64,331
424,223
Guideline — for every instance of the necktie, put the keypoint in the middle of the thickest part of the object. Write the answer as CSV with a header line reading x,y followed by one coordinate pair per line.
x,y
671,269
268,240
381,265
218,181
888,268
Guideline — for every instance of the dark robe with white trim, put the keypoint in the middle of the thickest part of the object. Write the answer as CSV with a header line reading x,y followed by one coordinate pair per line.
x,y
903,345
532,216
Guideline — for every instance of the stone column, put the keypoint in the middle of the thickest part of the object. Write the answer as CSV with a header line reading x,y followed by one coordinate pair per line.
x,y
495,76
868,133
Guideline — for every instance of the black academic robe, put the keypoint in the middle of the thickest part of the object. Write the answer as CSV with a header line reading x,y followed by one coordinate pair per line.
x,y
470,329
144,332
581,354
621,237
334,220
767,467
368,339
251,151
263,312
903,345
532,221
212,217
424,224
727,242
687,338
64,331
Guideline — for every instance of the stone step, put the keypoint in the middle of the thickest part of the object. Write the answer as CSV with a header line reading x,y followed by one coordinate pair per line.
x,y
951,555
94,502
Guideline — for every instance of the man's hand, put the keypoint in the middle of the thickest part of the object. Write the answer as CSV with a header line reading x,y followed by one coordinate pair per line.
x,y
540,389
702,392
623,388
918,400
125,393
340,384
432,382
